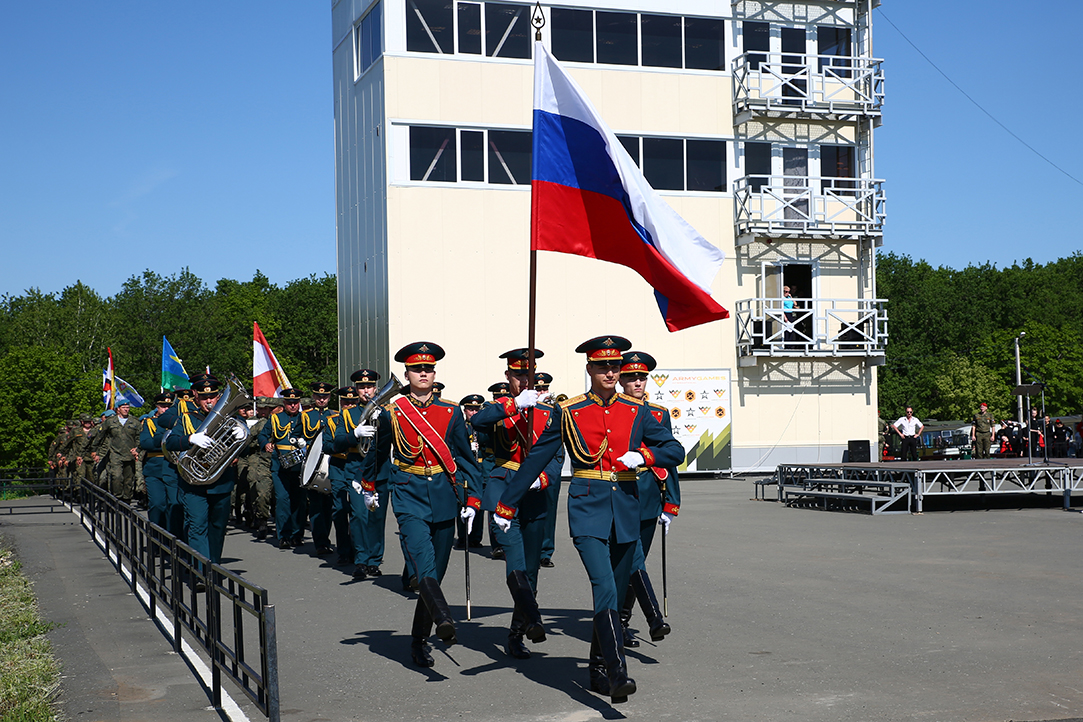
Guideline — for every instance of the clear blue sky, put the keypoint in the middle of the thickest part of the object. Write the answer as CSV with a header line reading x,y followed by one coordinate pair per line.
x,y
160,135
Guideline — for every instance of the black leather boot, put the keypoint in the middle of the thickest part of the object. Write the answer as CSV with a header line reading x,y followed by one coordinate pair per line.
x,y
419,632
430,592
626,617
611,645
599,680
515,647
527,605
649,604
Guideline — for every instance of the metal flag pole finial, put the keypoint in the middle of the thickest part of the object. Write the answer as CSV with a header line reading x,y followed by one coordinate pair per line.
x,y
537,19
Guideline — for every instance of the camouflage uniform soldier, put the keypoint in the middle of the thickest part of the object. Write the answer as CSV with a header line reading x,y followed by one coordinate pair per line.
x,y
120,437
981,433
78,450
254,475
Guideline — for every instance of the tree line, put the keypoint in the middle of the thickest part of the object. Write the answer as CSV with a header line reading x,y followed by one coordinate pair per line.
x,y
950,343
951,336
53,346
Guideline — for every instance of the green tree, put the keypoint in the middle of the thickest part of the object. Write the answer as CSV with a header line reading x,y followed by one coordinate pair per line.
x,y
40,389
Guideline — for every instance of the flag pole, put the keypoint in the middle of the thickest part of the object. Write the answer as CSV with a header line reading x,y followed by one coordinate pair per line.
x,y
537,19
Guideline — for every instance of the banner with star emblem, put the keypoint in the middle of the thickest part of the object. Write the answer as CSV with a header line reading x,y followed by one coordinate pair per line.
x,y
698,401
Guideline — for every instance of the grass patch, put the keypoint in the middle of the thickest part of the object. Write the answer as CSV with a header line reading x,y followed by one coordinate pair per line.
x,y
29,674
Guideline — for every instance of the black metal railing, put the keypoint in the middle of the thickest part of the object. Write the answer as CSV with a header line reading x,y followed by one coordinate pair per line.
x,y
227,616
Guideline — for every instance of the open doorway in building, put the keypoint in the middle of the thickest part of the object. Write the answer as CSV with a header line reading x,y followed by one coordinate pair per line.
x,y
797,277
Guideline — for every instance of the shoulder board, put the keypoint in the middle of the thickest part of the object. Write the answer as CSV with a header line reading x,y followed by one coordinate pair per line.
x,y
629,399
653,405
453,404
574,400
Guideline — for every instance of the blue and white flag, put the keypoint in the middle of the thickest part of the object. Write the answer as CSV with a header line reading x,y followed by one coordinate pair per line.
x,y
121,391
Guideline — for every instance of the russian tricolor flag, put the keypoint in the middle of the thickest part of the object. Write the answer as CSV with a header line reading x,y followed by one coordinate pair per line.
x,y
590,199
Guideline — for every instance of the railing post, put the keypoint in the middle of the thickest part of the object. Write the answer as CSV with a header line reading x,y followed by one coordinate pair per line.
x,y
270,673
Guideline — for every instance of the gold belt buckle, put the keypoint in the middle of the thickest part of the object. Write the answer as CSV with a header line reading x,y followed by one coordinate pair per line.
x,y
613,476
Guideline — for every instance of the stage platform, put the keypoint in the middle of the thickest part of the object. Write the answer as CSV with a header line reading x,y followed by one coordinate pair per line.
x,y
899,487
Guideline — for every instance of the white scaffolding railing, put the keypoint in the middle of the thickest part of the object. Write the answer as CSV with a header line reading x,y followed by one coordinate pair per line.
x,y
813,327
808,207
785,84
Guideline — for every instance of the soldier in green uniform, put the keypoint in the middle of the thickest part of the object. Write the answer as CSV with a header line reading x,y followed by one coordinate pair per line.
x,y
78,449
120,438
981,433
254,483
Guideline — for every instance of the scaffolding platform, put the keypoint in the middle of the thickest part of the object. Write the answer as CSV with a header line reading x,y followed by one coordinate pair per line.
x,y
901,487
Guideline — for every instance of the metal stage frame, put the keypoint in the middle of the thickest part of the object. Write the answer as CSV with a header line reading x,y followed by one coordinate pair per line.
x,y
901,487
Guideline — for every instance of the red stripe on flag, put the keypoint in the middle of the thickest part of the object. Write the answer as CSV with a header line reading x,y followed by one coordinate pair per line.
x,y
583,223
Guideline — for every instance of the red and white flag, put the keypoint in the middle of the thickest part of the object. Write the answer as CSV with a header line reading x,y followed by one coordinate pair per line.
x,y
268,378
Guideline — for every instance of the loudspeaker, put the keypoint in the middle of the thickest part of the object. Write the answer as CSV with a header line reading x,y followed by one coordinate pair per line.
x,y
859,451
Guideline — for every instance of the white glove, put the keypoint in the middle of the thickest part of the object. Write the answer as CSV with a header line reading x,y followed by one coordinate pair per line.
x,y
526,398
372,502
501,523
664,521
467,515
364,431
631,459
300,442
357,487
238,433
199,439
536,486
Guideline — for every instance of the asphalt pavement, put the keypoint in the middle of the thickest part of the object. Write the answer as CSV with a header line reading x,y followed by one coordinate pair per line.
x,y
777,613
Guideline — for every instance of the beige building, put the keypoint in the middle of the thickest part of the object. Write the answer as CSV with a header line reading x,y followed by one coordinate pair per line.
x,y
753,120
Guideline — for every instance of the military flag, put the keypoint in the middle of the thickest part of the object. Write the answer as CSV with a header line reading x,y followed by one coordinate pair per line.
x,y
589,198
173,374
116,390
268,378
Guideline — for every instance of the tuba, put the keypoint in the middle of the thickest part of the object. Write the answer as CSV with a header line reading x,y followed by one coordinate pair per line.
x,y
372,409
202,467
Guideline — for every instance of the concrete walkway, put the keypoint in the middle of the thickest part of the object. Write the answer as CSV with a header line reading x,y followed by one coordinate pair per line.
x,y
777,613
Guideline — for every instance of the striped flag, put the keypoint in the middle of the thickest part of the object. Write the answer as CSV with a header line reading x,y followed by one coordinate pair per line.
x,y
108,383
588,198
268,378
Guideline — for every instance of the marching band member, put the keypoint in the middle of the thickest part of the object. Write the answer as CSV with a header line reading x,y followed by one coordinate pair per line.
x,y
421,442
336,473
319,505
654,510
366,527
282,436
608,436
154,467
206,507
506,421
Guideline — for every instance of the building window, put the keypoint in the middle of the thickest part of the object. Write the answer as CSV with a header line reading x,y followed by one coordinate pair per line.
x,y
469,16
837,168
663,163
368,40
706,165
472,143
573,34
502,157
507,30
661,40
509,157
834,41
704,44
757,43
429,26
447,27
432,154
617,38
758,165
647,40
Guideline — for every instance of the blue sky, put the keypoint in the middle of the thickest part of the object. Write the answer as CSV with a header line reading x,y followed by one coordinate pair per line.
x,y
160,135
